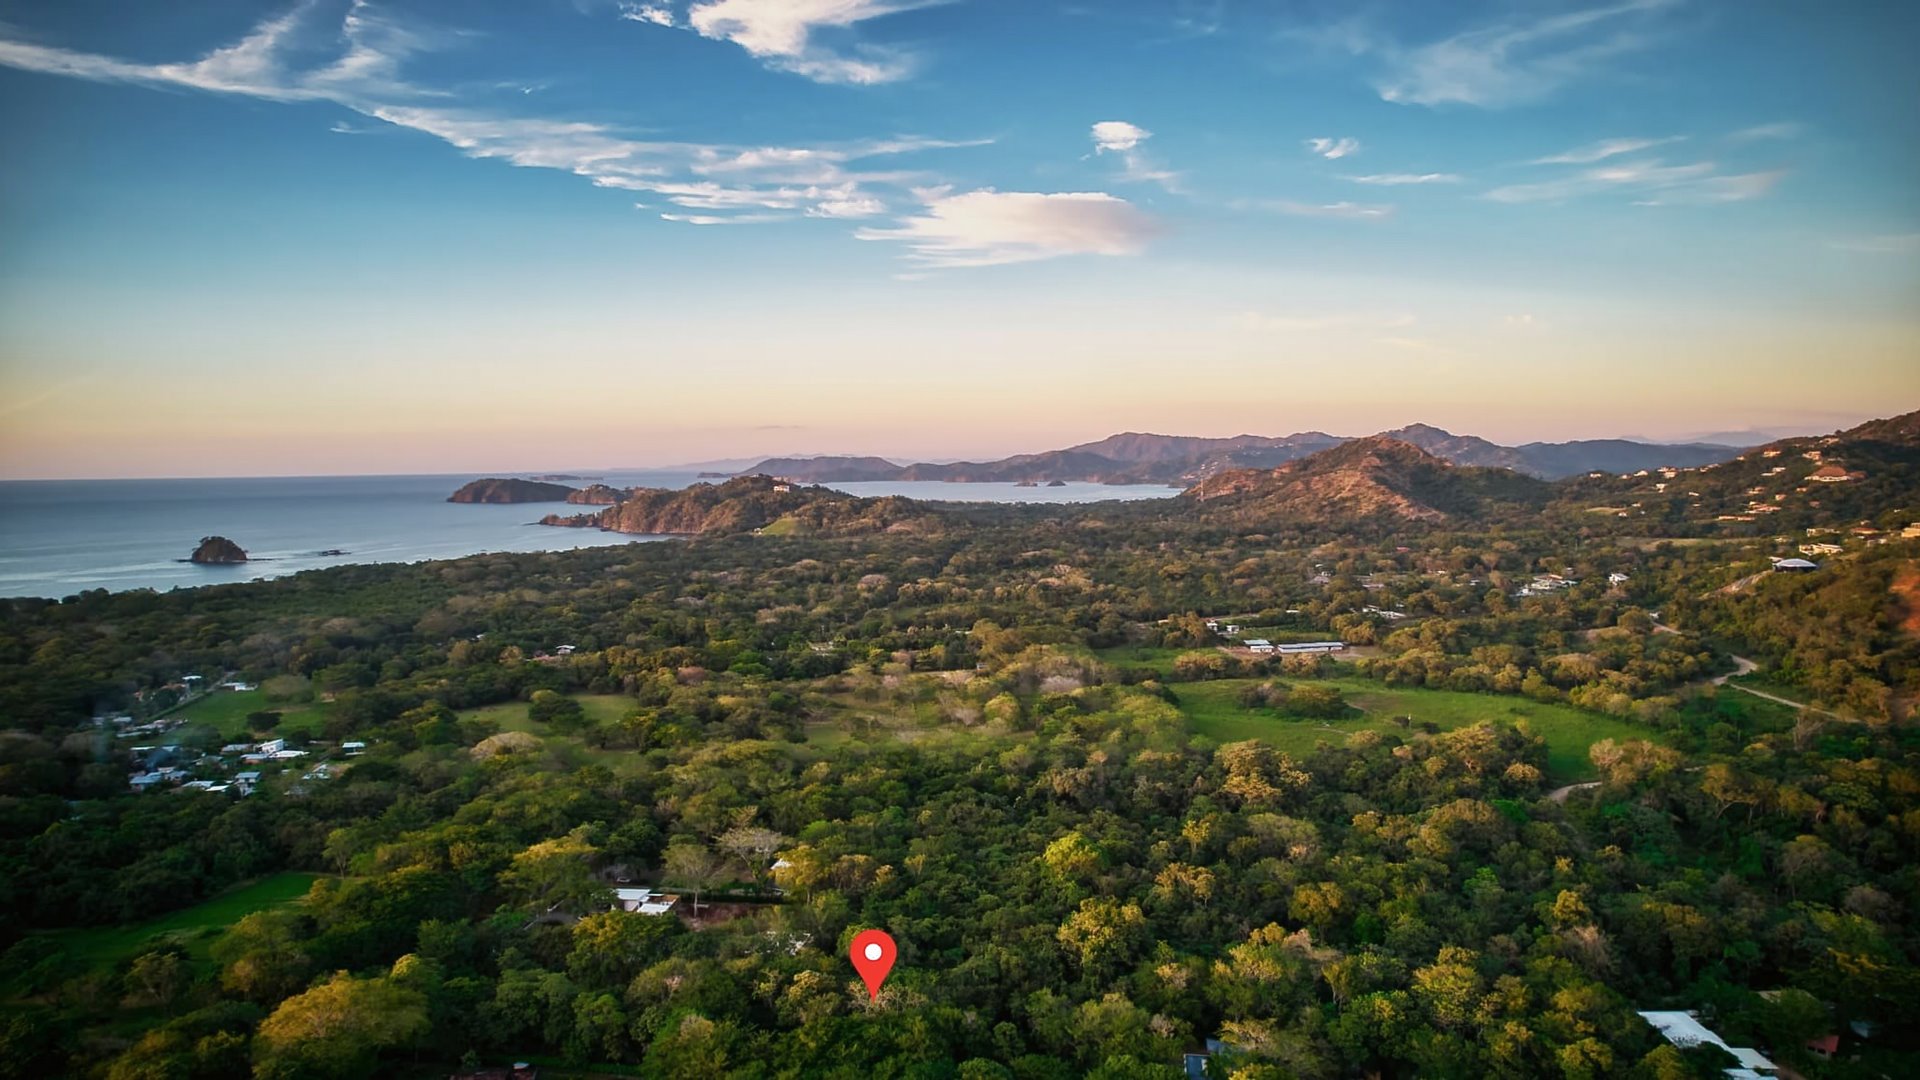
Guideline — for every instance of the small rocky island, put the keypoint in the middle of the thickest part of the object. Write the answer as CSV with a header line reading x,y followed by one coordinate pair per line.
x,y
217,551
510,490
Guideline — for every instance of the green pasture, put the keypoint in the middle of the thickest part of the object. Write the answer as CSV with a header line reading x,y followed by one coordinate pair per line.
x,y
226,712
1214,710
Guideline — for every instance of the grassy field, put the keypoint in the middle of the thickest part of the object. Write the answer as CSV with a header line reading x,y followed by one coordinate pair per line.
x,y
1215,711
194,927
512,716
226,712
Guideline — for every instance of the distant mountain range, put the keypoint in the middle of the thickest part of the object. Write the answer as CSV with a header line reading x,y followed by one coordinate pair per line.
x,y
1867,472
1184,460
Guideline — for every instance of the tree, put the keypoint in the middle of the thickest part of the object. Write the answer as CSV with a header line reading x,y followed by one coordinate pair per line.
x,y
693,866
555,874
263,957
562,713
754,847
160,976
338,1028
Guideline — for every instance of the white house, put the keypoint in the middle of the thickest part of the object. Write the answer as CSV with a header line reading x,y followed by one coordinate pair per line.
x,y
353,749
1260,645
1794,565
1297,647
236,684
246,781
1684,1029
643,901
271,746
1617,578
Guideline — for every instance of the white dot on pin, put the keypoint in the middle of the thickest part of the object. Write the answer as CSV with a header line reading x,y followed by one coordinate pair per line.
x,y
874,950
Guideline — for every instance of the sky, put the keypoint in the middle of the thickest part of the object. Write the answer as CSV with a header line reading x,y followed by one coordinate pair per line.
x,y
334,236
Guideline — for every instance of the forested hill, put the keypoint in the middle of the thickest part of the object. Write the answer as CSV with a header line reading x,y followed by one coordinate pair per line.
x,y
510,490
1848,479
1367,478
754,503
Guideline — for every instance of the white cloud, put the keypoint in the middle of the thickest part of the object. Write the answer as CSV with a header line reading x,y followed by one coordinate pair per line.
x,y
284,59
715,219
1123,138
656,14
1333,149
1398,179
1882,244
783,34
1518,60
1605,148
1118,135
990,228
1351,211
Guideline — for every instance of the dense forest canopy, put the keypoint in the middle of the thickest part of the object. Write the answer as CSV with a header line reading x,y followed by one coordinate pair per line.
x,y
1564,766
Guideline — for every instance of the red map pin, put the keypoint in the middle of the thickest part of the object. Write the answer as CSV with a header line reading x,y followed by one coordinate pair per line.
x,y
873,953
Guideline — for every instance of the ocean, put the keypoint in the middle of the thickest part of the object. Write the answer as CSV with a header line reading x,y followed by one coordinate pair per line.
x,y
60,537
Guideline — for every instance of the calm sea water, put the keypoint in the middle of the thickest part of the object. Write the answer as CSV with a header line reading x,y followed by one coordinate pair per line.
x,y
58,537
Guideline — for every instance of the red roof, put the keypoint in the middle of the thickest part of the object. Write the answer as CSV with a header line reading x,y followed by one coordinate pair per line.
x,y
1825,1044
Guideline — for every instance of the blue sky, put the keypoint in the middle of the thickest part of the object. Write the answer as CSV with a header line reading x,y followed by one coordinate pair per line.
x,y
336,236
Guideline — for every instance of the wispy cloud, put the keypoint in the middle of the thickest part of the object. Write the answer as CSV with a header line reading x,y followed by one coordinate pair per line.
x,y
1400,179
992,228
359,69
1123,138
1351,211
1605,148
1333,149
1759,132
785,35
657,14
1653,181
1519,59
1882,244
1717,189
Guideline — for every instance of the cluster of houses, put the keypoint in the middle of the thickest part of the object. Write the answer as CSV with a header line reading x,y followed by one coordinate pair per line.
x,y
174,766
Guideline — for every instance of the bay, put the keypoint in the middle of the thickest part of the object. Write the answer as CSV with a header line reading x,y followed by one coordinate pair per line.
x,y
60,537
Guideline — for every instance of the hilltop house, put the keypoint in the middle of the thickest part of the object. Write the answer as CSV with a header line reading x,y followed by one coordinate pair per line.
x,y
1830,474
